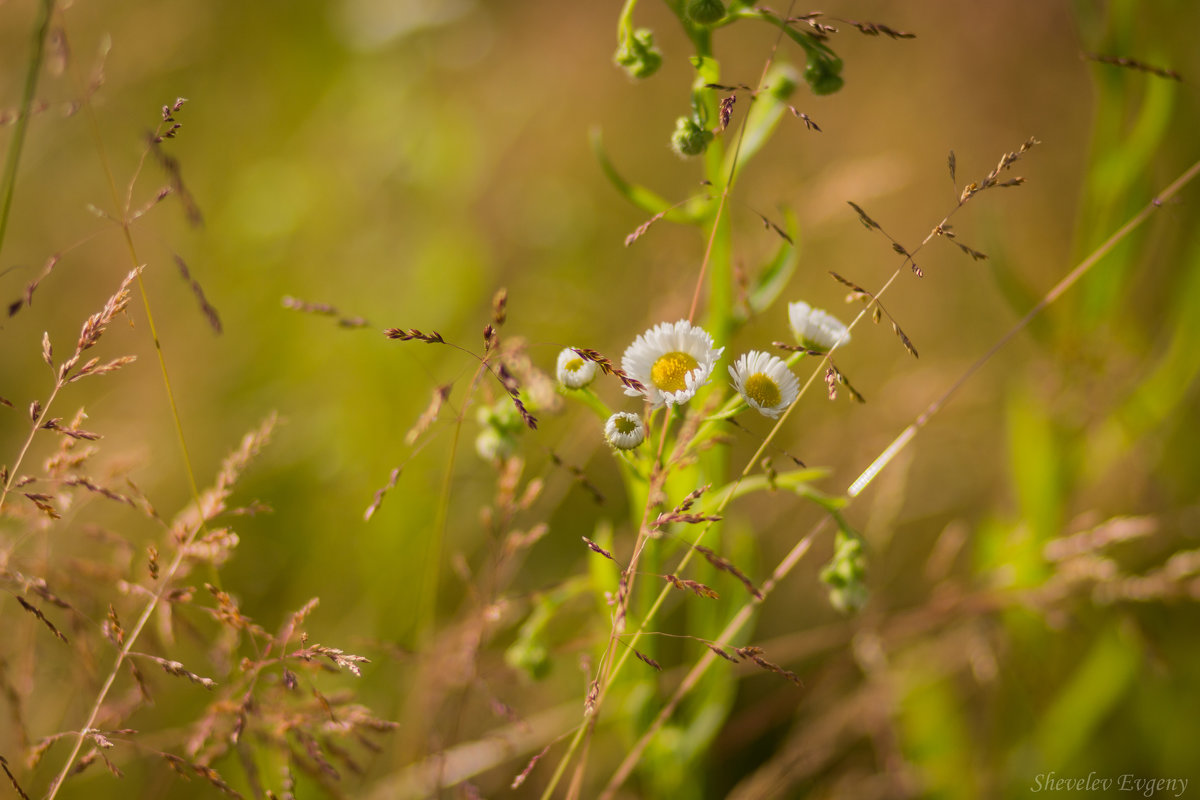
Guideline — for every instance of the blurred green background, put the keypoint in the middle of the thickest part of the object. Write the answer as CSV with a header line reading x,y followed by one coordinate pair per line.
x,y
404,160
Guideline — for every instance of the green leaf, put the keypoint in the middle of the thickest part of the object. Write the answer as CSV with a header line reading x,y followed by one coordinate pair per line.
x,y
1038,465
640,196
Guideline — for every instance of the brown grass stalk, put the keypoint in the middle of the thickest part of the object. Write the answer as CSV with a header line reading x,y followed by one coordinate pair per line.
x,y
249,443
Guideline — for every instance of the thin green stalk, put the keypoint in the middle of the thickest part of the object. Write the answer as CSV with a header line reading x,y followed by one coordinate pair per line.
x,y
41,28
625,21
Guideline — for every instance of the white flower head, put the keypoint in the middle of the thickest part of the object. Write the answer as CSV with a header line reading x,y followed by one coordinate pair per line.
x,y
624,431
765,382
815,328
672,360
574,371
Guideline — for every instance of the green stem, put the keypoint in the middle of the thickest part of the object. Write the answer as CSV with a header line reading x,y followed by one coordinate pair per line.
x,y
625,21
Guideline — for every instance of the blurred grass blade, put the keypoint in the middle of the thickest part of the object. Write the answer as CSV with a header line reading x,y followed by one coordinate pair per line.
x,y
1123,152
1037,466
40,28
1089,695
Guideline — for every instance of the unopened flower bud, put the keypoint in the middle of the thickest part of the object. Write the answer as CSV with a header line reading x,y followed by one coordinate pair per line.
x,y
705,12
637,54
824,73
624,431
689,138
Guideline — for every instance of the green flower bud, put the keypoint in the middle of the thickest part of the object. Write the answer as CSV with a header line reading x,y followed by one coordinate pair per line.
x,y
846,573
689,138
529,656
824,73
637,54
500,424
501,416
705,12
850,599
492,445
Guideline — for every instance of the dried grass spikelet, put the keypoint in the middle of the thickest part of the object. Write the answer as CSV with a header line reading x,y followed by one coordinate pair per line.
x,y
1141,66
697,588
608,368
380,493
213,501
26,298
725,565
339,658
324,309
212,547
580,477
755,654
89,334
992,179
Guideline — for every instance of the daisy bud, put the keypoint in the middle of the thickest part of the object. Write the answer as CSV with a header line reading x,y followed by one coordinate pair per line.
x,y
624,431
574,371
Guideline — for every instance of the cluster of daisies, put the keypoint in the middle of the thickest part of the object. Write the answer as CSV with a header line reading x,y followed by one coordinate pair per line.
x,y
672,361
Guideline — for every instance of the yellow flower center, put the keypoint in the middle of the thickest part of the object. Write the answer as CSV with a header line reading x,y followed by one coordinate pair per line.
x,y
762,390
625,425
670,369
574,365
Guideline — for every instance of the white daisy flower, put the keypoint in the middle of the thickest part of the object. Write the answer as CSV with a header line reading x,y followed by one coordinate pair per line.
x,y
624,431
672,361
765,382
575,371
815,328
